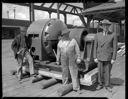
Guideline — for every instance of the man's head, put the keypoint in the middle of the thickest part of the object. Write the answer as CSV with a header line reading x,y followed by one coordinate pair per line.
x,y
23,30
65,33
105,25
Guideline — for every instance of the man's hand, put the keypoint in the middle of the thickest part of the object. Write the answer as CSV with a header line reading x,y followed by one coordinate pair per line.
x,y
112,61
57,63
96,60
78,61
18,52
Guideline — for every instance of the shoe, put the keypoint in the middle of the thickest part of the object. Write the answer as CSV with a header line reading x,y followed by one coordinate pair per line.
x,y
109,89
78,91
19,76
99,87
33,79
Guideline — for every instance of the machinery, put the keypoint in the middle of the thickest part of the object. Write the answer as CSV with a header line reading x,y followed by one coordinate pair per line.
x,y
45,35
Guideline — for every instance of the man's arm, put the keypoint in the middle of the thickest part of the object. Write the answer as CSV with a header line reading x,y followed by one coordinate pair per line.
x,y
58,54
77,49
15,45
114,47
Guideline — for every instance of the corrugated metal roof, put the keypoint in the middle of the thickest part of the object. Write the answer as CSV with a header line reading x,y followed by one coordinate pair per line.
x,y
105,6
111,11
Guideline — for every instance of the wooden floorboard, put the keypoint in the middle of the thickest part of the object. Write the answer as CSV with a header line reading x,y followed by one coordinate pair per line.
x,y
12,88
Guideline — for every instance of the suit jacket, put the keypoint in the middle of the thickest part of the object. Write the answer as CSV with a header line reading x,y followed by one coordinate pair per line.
x,y
105,47
19,42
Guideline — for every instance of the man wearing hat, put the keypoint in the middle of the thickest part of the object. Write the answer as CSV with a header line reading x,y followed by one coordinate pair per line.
x,y
20,46
68,53
105,49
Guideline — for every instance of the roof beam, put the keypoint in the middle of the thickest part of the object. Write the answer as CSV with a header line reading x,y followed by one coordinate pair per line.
x,y
72,10
51,5
101,11
46,8
72,6
42,4
65,8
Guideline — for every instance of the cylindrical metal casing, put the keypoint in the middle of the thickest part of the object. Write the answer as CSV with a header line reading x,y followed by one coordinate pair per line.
x,y
45,35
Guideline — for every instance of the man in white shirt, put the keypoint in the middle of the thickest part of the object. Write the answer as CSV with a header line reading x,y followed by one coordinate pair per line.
x,y
68,53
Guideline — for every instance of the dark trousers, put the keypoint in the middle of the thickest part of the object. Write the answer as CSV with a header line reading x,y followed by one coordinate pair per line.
x,y
20,63
104,69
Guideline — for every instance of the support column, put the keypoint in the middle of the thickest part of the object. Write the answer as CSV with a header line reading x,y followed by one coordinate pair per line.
x,y
84,5
120,29
50,14
14,13
65,18
98,26
58,16
31,11
88,21
124,30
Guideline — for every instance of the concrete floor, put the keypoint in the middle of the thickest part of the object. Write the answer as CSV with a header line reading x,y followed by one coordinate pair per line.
x,y
12,88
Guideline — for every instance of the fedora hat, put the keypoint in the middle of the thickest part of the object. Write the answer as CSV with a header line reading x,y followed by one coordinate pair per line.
x,y
105,22
65,31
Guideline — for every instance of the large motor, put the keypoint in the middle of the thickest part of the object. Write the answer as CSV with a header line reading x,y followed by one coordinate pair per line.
x,y
45,34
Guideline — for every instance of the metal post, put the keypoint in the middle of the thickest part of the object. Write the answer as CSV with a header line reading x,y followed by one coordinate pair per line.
x,y
84,5
50,14
124,30
65,18
8,14
14,13
32,17
58,17
88,21
120,28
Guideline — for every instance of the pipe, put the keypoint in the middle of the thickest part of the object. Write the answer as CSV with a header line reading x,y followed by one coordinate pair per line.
x,y
49,83
65,89
36,79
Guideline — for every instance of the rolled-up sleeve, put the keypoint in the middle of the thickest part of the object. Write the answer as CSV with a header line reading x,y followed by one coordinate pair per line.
x,y
77,49
58,53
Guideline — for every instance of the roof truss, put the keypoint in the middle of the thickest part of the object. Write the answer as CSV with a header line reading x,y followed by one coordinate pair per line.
x,y
74,9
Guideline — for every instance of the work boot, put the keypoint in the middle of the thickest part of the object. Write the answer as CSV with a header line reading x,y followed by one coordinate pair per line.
x,y
78,91
19,76
109,89
99,87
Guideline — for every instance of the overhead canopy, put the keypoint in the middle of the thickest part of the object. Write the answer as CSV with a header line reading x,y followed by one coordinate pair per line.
x,y
111,11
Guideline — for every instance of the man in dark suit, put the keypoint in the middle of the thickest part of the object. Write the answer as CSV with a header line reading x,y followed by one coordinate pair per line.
x,y
21,46
105,49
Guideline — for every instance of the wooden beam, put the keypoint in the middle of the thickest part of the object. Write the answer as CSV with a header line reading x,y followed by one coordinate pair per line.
x,y
73,6
58,16
71,10
65,18
51,5
76,11
60,5
32,15
65,8
46,8
102,11
42,4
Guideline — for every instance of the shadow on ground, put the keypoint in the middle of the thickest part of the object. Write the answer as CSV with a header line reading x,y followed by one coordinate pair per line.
x,y
116,81
113,81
